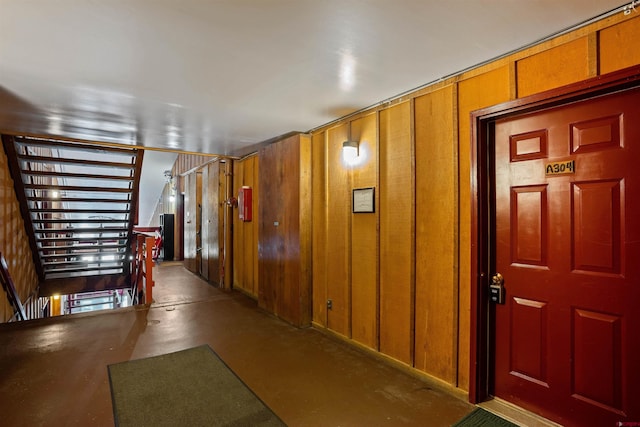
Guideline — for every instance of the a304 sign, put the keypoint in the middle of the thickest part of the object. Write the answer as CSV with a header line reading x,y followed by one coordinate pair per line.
x,y
560,168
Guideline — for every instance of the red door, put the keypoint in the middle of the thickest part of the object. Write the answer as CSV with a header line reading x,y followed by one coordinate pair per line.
x,y
567,221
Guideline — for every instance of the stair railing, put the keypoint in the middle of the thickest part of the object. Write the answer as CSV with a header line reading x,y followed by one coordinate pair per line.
x,y
35,307
10,289
142,269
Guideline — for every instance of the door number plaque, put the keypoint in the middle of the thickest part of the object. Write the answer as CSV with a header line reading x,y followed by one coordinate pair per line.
x,y
560,168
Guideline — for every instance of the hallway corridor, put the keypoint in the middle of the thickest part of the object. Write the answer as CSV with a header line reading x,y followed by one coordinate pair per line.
x,y
54,371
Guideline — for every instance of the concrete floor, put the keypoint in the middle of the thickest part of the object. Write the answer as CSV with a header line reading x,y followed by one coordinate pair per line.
x,y
54,371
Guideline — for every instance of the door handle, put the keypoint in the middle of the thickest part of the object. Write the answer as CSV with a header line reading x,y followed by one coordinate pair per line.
x,y
496,289
497,279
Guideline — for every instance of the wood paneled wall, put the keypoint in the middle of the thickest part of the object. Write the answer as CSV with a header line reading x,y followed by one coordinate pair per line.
x,y
397,222
399,279
14,243
319,237
186,163
338,232
557,67
284,235
618,46
245,233
364,238
436,303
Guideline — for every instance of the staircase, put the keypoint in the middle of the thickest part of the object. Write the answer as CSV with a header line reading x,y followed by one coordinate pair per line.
x,y
78,202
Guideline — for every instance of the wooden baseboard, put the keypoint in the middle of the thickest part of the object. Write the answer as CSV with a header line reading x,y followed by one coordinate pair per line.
x,y
433,382
246,293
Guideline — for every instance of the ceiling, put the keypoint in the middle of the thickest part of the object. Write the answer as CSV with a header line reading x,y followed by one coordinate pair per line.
x,y
222,76
218,76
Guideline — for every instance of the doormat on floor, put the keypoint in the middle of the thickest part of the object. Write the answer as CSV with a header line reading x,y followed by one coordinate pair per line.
x,y
479,417
192,387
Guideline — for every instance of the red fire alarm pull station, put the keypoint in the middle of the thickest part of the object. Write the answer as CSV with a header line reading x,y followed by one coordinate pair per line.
x,y
244,203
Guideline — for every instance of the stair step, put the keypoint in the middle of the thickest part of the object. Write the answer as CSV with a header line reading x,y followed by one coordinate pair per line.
x,y
68,161
73,146
115,268
72,249
90,189
81,231
82,262
78,238
88,211
80,199
72,175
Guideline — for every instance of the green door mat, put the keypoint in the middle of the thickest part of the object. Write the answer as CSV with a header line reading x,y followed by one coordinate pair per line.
x,y
192,387
479,417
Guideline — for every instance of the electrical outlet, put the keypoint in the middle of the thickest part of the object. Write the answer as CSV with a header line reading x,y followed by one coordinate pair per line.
x,y
329,304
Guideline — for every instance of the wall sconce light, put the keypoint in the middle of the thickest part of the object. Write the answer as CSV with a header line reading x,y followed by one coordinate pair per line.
x,y
172,185
350,152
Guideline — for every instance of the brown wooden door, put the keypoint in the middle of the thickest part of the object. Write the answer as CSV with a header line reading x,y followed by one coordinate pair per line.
x,y
567,340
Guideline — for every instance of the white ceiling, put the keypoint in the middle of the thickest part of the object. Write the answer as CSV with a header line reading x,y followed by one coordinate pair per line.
x,y
220,76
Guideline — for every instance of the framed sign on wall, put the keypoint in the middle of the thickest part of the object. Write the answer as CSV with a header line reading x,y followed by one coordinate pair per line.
x,y
364,200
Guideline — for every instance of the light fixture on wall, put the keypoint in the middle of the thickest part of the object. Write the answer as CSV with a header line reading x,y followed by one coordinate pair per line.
x,y
172,185
350,152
